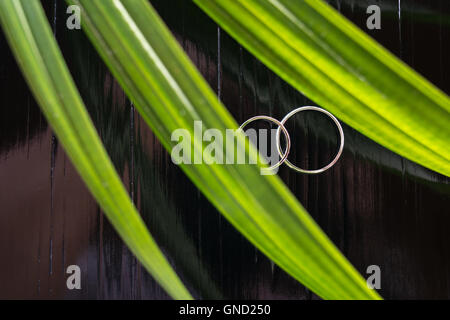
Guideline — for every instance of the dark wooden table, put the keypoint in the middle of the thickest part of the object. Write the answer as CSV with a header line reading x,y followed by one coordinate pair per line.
x,y
378,207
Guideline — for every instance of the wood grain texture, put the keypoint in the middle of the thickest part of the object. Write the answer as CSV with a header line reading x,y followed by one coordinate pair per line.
x,y
378,208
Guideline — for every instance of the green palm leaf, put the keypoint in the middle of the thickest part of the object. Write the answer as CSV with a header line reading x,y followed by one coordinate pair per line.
x,y
170,94
331,61
38,55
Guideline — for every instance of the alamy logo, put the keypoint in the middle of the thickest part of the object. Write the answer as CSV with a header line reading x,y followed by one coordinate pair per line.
x,y
374,20
74,20
74,280
374,280
232,149
219,149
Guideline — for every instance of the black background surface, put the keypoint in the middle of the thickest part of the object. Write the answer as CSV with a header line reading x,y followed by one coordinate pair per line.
x,y
376,206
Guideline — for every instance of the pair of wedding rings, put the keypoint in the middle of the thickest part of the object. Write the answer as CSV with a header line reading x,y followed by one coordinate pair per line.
x,y
284,154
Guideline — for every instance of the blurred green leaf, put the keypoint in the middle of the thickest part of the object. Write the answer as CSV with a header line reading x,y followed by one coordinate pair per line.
x,y
170,94
40,59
